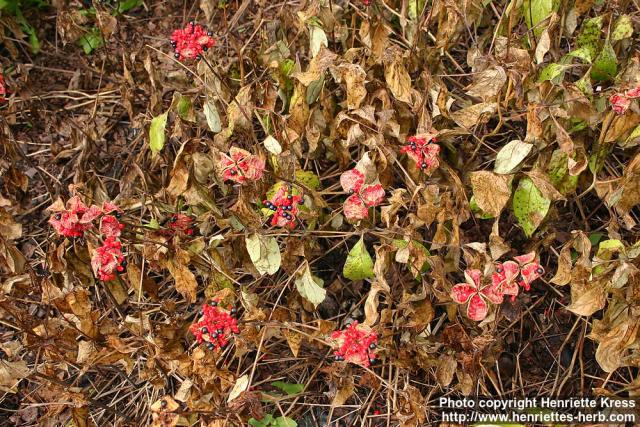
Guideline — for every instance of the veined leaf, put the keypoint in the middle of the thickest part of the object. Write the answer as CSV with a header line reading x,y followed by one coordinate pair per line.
x,y
359,264
310,287
264,253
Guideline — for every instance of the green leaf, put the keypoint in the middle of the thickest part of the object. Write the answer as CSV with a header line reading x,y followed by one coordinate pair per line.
x,y
589,37
558,171
310,287
156,133
511,155
288,388
633,139
605,66
536,11
583,53
126,5
184,108
264,253
313,90
622,29
308,179
359,264
153,224
594,238
599,153
607,248
91,41
529,206
284,422
584,84
264,422
553,72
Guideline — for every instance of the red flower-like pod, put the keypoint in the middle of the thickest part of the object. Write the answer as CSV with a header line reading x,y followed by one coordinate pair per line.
x,y
215,326
355,344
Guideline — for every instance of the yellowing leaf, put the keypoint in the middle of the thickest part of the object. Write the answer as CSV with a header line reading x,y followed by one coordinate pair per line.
x,y
272,145
622,29
317,38
511,155
308,178
156,133
359,264
264,253
310,287
241,385
212,116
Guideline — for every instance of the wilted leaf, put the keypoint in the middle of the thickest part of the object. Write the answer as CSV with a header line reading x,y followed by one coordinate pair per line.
x,y
11,373
264,252
543,183
491,191
511,155
445,370
529,206
344,392
185,280
586,300
543,46
488,83
476,114
398,79
359,264
9,228
354,76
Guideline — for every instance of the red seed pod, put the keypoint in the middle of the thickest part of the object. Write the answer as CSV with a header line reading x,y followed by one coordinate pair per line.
x,y
191,41
215,326
424,152
363,195
108,259
284,203
356,344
